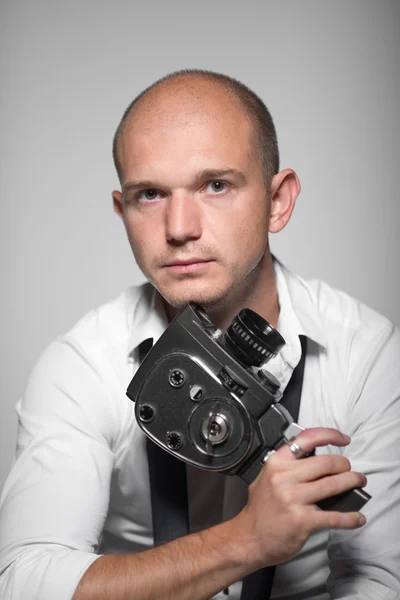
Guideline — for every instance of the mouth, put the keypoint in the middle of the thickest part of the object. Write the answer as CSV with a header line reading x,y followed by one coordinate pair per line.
x,y
187,265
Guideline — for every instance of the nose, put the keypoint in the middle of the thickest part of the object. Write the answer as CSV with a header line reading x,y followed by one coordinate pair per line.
x,y
183,222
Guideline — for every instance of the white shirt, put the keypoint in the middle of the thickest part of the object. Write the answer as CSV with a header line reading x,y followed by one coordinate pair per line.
x,y
81,471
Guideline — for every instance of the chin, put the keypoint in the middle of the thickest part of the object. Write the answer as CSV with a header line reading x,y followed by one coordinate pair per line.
x,y
182,295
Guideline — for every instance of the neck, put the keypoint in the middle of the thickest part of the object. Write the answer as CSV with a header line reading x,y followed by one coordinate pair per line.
x,y
259,292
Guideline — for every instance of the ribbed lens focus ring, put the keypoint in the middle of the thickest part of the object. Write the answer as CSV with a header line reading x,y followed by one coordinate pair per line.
x,y
252,339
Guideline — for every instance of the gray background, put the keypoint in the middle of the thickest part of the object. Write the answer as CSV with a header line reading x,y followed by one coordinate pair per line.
x,y
329,72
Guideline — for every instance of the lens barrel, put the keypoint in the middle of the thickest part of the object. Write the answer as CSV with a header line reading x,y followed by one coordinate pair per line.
x,y
251,339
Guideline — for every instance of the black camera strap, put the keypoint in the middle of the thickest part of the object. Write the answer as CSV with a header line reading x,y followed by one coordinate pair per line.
x,y
169,496
168,485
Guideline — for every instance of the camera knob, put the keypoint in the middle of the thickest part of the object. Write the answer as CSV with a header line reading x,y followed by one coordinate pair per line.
x,y
177,378
268,380
215,428
174,440
146,413
196,393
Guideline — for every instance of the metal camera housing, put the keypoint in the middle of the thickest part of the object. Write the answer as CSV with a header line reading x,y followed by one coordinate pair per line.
x,y
198,402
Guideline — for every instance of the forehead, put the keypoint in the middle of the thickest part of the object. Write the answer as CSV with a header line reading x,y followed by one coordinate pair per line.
x,y
184,128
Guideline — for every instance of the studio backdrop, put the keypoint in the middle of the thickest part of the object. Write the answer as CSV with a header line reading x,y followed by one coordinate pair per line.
x,y
329,73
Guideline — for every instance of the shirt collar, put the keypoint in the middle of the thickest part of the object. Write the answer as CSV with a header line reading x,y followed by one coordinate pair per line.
x,y
147,320
298,316
299,313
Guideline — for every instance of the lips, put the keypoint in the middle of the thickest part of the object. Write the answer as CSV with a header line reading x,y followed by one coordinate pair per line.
x,y
187,261
188,265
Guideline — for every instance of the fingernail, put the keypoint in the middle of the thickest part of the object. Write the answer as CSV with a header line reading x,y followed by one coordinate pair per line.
x,y
346,437
361,520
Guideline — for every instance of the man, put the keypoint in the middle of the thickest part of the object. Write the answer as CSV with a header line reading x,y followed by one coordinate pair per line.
x,y
201,188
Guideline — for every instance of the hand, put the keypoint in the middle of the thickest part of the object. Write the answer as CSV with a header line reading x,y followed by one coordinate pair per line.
x,y
281,514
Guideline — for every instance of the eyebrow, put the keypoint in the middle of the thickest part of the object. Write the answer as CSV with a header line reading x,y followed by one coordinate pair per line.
x,y
205,174
138,185
219,173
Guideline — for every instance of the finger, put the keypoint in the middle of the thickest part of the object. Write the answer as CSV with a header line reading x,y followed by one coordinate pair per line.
x,y
315,467
335,520
313,492
312,438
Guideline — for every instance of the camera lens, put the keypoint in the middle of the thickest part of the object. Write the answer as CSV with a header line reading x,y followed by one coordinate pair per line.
x,y
251,339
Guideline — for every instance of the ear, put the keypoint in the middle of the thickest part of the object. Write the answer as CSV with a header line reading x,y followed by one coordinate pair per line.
x,y
118,204
285,187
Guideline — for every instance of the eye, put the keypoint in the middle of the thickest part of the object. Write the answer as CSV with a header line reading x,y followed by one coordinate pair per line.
x,y
217,186
149,195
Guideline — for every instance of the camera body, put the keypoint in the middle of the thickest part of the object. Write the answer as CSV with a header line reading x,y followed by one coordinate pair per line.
x,y
201,396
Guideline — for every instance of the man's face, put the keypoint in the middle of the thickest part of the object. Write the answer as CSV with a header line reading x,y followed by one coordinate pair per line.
x,y
194,200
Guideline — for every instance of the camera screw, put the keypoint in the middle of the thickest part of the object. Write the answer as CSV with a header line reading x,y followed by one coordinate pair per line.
x,y
176,378
146,413
174,440
196,393
215,428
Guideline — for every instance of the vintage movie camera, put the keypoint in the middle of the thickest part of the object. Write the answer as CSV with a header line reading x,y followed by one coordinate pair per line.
x,y
206,398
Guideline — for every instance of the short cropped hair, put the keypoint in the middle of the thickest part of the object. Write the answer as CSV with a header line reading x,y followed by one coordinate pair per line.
x,y
266,143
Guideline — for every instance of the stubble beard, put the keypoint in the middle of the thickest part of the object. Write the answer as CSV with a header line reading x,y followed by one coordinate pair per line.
x,y
206,296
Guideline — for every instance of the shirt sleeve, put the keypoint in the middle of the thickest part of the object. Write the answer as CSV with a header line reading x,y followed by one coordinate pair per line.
x,y
55,500
365,564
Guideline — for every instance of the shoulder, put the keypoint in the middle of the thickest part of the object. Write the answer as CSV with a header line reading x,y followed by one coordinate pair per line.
x,y
110,324
359,343
341,318
81,377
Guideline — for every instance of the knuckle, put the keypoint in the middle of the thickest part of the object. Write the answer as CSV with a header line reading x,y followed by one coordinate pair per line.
x,y
351,480
298,520
331,463
309,435
335,463
340,520
328,463
337,484
346,463
275,477
302,523
288,496
334,485
335,520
